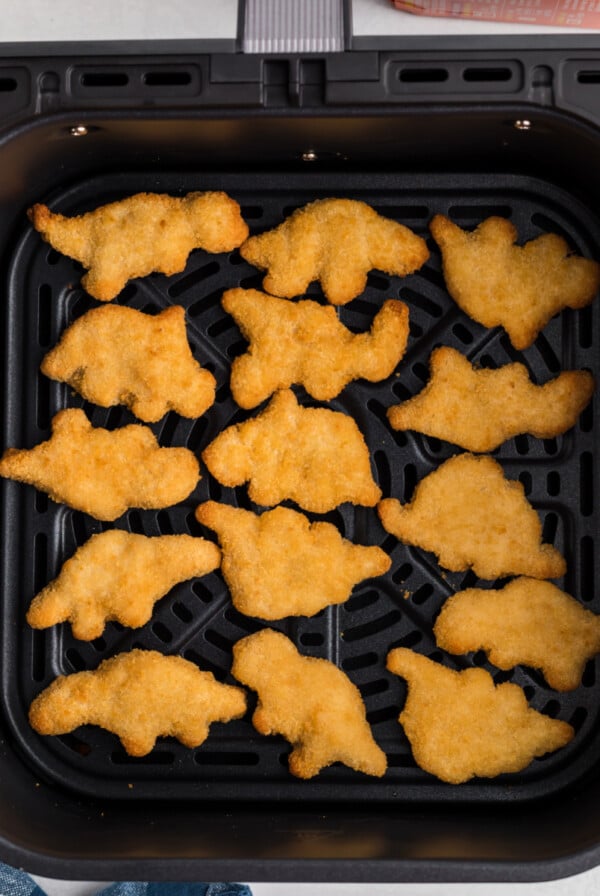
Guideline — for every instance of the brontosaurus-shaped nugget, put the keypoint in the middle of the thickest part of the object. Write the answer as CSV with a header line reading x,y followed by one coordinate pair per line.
x,y
280,564
311,702
103,472
527,621
141,234
336,241
517,287
470,516
479,409
305,343
461,725
119,576
117,355
314,456
139,696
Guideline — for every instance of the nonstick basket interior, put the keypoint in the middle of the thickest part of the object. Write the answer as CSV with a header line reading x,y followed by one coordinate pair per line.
x,y
197,619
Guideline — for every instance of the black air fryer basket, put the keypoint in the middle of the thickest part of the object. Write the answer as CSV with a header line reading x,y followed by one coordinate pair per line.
x,y
449,129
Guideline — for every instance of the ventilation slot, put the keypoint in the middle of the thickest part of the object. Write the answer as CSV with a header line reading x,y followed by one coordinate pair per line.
x,y
181,611
401,212
423,593
7,85
374,687
377,716
44,314
43,402
162,632
361,601
588,77
481,75
167,79
587,568
38,655
354,663
402,574
312,639
384,474
227,758
157,757
104,79
193,279
461,332
586,484
372,628
423,75
420,301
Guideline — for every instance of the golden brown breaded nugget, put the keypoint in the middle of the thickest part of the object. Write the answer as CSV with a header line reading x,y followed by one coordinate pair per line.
x,y
314,456
311,702
139,696
119,576
528,622
470,516
305,343
516,287
103,472
280,564
336,241
116,355
479,409
141,234
460,725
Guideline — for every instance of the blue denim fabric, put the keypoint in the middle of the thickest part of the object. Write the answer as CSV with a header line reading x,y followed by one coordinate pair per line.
x,y
16,883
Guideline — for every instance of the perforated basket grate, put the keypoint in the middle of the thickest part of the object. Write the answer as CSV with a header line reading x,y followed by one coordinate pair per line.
x,y
197,619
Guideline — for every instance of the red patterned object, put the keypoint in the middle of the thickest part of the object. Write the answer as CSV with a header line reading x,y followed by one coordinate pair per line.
x,y
565,13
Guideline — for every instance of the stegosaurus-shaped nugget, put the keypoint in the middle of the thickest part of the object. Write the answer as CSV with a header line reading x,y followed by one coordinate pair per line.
x,y
305,343
139,696
528,622
336,241
471,516
103,472
119,576
479,409
280,564
140,234
316,457
311,702
117,355
461,725
517,287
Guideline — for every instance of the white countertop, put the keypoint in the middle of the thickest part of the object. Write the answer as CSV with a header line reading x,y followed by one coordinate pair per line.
x,y
188,19
586,884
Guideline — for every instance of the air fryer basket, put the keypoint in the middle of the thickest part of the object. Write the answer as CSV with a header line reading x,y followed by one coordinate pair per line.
x,y
78,805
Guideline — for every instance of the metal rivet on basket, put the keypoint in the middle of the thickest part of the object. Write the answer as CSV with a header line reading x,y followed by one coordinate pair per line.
x,y
522,124
309,156
78,130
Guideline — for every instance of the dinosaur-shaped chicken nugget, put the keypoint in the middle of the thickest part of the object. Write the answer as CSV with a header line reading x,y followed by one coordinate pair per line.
x,y
479,409
117,355
118,575
304,342
517,287
139,696
103,472
141,234
336,241
470,516
311,702
314,456
280,564
461,725
527,621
